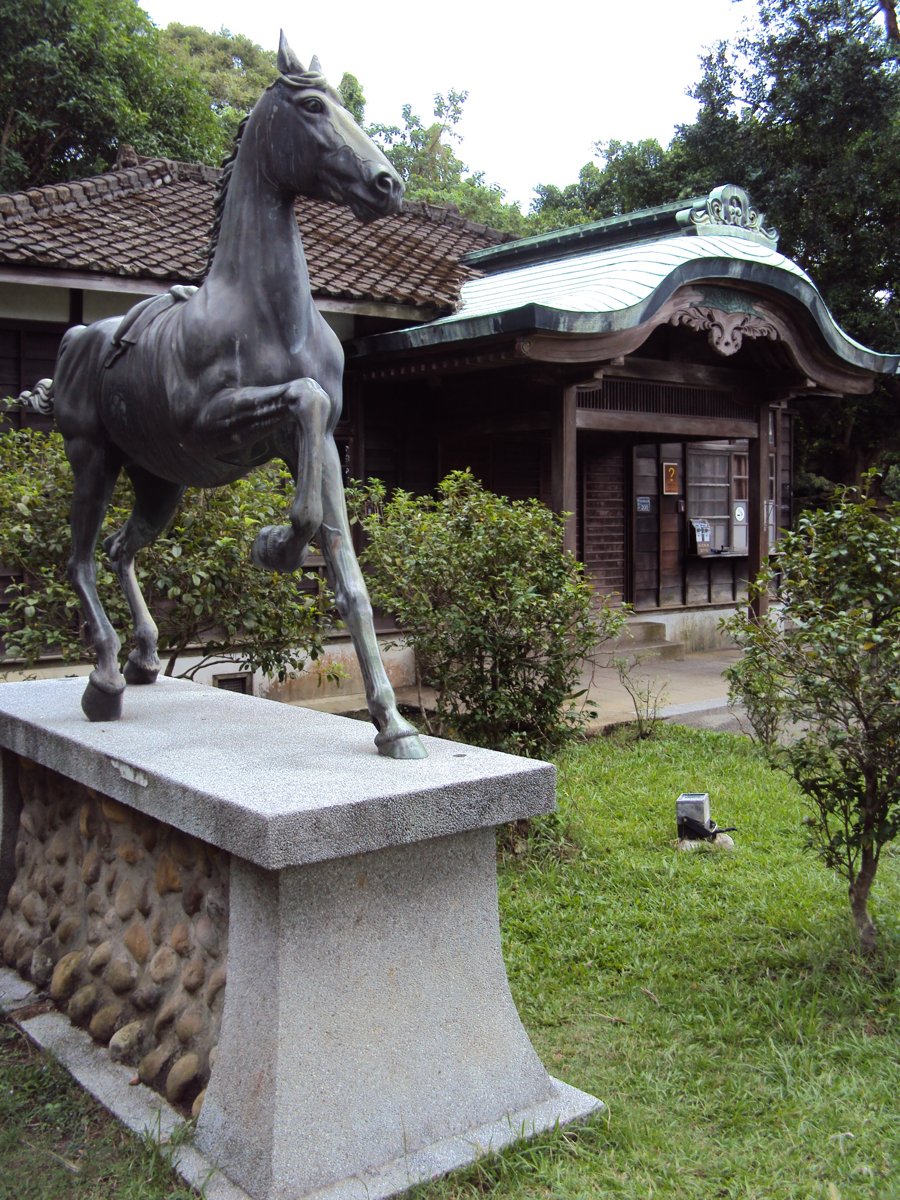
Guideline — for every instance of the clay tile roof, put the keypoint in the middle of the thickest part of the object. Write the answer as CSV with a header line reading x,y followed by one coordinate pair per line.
x,y
151,221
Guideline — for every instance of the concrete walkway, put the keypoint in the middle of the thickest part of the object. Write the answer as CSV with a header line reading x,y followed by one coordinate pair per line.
x,y
688,691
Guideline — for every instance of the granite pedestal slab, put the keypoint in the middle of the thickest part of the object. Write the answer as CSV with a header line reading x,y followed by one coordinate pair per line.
x,y
369,1039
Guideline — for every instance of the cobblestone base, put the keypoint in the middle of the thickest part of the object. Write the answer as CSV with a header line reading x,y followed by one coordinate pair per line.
x,y
124,921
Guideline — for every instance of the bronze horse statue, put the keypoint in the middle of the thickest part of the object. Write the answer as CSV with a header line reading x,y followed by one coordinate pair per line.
x,y
198,387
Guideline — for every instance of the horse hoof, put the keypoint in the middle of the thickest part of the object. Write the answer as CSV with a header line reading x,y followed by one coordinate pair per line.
x,y
135,673
406,745
276,548
100,705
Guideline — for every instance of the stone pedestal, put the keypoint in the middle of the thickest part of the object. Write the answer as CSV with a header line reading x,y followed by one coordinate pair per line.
x,y
368,1038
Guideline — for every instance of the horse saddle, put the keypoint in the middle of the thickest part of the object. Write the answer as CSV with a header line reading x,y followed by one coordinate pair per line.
x,y
138,320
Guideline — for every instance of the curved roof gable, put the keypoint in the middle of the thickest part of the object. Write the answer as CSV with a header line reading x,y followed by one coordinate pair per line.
x,y
613,286
617,276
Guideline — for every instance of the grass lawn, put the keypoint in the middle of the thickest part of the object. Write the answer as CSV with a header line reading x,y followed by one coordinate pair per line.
x,y
715,1001
56,1143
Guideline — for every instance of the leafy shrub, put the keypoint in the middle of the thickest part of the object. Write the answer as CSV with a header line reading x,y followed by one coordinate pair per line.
x,y
824,673
197,578
499,616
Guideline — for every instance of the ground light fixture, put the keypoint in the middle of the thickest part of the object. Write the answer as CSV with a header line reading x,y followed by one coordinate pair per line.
x,y
693,820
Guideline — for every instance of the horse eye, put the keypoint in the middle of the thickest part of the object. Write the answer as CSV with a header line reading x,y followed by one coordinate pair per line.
x,y
312,105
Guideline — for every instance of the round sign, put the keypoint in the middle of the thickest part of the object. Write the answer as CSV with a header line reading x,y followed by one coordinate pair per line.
x,y
740,513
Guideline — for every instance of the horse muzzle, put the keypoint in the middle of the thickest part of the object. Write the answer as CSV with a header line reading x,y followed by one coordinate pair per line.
x,y
381,196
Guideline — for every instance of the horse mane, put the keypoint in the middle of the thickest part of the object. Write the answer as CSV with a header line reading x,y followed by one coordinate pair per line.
x,y
221,194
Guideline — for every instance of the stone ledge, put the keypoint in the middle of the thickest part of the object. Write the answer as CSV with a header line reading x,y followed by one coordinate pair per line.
x,y
285,786
148,1115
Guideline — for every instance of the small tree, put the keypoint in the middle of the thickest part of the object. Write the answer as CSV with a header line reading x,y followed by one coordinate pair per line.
x,y
197,578
499,616
829,663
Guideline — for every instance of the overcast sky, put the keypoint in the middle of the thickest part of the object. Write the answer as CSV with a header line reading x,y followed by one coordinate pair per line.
x,y
545,81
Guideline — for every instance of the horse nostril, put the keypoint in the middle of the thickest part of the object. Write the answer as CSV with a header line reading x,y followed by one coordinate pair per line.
x,y
389,185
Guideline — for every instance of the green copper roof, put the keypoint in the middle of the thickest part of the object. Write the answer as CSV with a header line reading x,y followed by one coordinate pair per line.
x,y
642,225
727,211
607,282
607,290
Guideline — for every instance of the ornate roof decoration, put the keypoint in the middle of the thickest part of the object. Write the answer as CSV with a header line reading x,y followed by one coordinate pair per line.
x,y
606,301
727,210
726,330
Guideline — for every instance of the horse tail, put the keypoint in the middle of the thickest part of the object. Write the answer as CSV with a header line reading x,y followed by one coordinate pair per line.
x,y
42,397
39,399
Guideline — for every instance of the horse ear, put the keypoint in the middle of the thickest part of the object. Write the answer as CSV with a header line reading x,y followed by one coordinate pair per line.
x,y
288,62
315,67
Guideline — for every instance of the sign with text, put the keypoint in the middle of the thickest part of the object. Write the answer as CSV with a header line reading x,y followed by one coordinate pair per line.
x,y
671,478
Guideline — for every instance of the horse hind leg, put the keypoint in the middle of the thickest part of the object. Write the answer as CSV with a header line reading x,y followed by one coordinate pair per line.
x,y
155,502
95,469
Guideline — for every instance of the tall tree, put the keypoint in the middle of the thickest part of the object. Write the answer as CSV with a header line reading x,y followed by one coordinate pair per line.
x,y
630,175
351,93
231,69
804,112
77,77
888,9
432,171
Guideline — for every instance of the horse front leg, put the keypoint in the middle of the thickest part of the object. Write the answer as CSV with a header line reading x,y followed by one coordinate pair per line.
x,y
236,414
396,737
155,503
95,471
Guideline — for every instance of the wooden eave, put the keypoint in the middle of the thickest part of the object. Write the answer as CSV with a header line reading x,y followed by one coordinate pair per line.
x,y
481,354
816,369
605,304
96,281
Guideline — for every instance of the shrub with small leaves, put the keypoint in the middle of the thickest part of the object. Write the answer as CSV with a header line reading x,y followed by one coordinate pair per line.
x,y
824,673
205,595
499,615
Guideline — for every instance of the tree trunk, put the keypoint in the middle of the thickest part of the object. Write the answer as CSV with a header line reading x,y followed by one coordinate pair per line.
x,y
891,26
859,901
422,709
173,659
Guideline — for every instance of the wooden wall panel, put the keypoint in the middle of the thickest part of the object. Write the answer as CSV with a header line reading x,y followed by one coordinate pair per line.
x,y
722,581
646,528
509,466
785,469
27,354
604,513
400,452
697,581
671,530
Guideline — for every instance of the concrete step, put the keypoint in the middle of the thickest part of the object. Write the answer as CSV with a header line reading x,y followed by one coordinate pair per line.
x,y
641,641
651,652
642,633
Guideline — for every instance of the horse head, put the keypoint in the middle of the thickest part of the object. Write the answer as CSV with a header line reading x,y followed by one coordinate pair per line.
x,y
316,148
